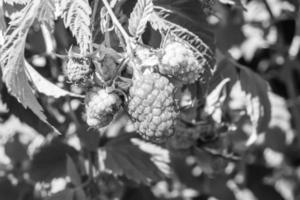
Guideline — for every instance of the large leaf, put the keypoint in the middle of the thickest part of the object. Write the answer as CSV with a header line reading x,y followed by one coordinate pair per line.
x,y
12,59
124,156
139,17
50,161
76,15
44,86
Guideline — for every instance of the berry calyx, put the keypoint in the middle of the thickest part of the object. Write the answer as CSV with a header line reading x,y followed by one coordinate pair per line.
x,y
179,62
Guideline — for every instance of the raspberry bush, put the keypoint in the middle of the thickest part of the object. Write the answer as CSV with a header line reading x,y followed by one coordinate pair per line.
x,y
149,99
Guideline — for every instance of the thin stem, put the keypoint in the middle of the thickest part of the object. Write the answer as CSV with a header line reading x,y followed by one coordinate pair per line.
x,y
269,10
96,3
215,153
116,22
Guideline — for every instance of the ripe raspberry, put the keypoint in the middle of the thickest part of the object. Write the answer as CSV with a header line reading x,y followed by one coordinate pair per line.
x,y
101,108
152,106
179,61
184,136
78,69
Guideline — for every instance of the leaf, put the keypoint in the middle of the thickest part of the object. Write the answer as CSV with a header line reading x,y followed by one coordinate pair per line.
x,y
73,172
46,13
12,59
215,100
258,104
15,150
122,156
8,191
79,194
50,161
2,20
76,16
185,21
2,25
44,86
67,194
11,2
139,17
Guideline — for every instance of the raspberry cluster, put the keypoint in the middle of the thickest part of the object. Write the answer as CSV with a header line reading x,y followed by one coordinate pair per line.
x,y
150,95
179,62
152,106
101,107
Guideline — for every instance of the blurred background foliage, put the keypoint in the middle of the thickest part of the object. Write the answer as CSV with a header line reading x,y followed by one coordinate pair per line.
x,y
35,163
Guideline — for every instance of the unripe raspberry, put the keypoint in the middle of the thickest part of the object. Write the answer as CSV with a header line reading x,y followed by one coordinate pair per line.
x,y
78,69
106,68
179,62
152,106
101,107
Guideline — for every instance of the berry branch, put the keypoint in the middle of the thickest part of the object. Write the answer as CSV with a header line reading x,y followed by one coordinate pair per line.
x,y
116,22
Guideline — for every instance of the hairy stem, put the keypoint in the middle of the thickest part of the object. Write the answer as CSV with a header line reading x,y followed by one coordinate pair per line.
x,y
116,22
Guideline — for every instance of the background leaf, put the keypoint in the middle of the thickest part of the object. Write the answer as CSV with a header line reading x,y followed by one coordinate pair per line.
x,y
122,157
73,172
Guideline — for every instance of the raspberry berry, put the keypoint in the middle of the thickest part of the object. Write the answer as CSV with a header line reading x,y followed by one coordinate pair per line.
x,y
78,69
179,62
152,106
101,107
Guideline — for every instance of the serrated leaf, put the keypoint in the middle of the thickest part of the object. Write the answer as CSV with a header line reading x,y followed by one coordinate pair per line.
x,y
139,17
76,16
159,156
50,161
15,150
2,25
12,59
2,20
73,172
121,157
46,13
22,2
44,86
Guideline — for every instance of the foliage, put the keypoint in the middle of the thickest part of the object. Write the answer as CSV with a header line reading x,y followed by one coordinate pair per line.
x,y
235,128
